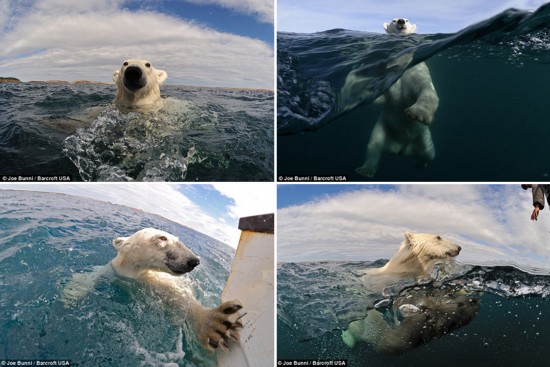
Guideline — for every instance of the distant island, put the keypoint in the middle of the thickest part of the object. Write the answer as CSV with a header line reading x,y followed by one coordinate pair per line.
x,y
11,79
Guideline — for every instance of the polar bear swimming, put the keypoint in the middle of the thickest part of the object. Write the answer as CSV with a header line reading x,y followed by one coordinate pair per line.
x,y
156,258
418,315
138,90
409,106
138,86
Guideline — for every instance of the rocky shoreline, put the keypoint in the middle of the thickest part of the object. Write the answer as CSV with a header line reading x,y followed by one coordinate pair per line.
x,y
10,79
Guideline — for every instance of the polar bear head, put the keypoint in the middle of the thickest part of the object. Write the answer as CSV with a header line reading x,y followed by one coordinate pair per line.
x,y
138,86
400,26
415,257
428,247
152,249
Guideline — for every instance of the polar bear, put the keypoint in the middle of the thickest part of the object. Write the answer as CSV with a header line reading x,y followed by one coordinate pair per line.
x,y
416,317
138,86
409,106
156,258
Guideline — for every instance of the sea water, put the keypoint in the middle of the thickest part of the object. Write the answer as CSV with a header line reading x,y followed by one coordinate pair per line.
x,y
492,80
46,238
317,300
202,134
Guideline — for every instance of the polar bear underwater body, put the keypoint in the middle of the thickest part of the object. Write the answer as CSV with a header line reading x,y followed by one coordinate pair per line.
x,y
156,258
409,106
417,315
138,86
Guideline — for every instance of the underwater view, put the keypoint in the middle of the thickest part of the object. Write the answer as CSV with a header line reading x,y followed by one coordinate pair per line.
x,y
467,281
201,134
491,79
480,316
50,237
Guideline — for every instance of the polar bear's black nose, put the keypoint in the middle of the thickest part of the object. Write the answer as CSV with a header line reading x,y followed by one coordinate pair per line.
x,y
192,263
133,78
133,73
401,21
181,260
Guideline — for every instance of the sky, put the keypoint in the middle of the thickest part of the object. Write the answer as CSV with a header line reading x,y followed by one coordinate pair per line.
x,y
368,222
213,209
219,43
430,16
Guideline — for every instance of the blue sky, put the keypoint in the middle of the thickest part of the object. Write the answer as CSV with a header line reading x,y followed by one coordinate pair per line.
x,y
430,16
367,222
224,43
213,16
213,209
290,195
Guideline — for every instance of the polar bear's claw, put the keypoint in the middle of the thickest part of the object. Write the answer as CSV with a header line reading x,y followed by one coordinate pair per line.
x,y
365,171
220,325
232,308
419,114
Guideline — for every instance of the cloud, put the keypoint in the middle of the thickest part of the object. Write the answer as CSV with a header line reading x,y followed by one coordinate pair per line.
x,y
249,198
68,40
262,9
431,16
490,222
165,200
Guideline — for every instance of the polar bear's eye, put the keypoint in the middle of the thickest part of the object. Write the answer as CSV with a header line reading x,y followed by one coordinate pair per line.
x,y
148,65
162,238
125,63
438,238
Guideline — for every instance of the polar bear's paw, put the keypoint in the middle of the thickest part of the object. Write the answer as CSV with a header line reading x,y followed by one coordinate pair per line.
x,y
420,113
220,325
366,171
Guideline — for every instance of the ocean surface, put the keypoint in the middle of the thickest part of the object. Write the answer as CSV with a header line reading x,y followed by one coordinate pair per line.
x,y
48,237
317,300
492,80
202,134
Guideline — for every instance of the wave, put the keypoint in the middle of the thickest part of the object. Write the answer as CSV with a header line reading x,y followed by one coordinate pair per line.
x,y
231,131
313,68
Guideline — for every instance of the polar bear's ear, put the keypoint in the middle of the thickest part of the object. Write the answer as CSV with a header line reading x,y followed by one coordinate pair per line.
x,y
413,28
115,75
409,237
386,25
161,76
119,242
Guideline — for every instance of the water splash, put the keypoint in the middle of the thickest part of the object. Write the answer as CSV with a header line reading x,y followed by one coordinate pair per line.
x,y
134,146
